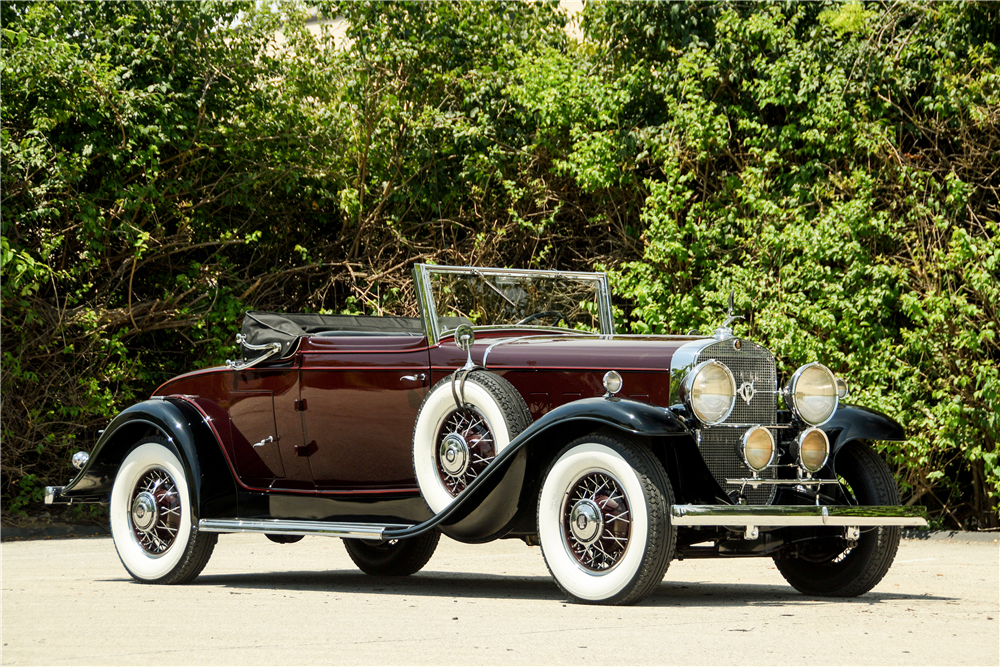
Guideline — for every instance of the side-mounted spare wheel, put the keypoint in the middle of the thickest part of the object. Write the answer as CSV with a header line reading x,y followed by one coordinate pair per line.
x,y
855,570
151,517
604,520
452,443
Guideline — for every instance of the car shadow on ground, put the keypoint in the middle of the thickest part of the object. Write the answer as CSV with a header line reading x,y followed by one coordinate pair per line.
x,y
695,594
462,585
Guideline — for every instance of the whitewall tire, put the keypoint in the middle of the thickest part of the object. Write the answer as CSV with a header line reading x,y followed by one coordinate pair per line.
x,y
604,520
151,517
453,444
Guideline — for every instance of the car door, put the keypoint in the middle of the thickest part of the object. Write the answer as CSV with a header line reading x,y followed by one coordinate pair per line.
x,y
360,395
266,427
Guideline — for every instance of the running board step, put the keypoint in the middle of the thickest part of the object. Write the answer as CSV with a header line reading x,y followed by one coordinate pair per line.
x,y
363,531
796,515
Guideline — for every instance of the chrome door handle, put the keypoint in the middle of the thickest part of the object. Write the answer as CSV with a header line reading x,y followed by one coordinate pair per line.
x,y
419,377
263,442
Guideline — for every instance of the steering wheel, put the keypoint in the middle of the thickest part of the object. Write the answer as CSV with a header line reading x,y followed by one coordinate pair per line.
x,y
544,313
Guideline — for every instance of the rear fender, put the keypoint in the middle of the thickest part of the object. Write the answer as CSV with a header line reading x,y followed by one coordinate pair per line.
x,y
188,436
490,506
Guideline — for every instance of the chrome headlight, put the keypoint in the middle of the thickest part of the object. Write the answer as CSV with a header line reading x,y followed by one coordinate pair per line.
x,y
813,449
709,391
757,448
812,394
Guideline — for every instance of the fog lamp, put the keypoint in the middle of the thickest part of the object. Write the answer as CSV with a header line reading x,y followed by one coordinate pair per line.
x,y
758,448
813,449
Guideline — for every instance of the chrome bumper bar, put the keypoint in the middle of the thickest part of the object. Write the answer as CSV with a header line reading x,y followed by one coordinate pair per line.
x,y
364,531
795,515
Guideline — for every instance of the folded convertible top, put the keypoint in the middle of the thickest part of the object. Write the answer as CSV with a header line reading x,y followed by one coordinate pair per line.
x,y
261,327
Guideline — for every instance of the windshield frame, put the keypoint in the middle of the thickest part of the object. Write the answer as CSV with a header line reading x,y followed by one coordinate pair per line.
x,y
428,309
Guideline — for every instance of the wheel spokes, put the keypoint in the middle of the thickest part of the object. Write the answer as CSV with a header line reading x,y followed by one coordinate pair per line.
x,y
472,431
597,492
156,493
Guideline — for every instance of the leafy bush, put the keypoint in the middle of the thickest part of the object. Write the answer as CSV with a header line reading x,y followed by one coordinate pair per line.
x,y
167,165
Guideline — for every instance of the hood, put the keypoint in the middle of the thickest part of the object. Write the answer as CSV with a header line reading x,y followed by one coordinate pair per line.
x,y
650,353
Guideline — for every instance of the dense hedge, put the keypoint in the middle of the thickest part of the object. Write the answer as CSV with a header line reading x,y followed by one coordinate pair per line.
x,y
167,165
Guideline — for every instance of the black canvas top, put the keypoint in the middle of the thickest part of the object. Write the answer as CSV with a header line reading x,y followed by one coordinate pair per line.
x,y
261,327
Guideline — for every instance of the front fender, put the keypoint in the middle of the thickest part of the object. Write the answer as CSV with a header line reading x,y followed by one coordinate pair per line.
x,y
851,422
487,508
191,439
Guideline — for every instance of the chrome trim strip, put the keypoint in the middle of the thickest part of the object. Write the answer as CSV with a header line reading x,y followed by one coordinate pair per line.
x,y
796,515
768,426
749,481
367,531
489,348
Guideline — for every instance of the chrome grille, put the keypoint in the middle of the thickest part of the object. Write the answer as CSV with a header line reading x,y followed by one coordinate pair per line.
x,y
720,444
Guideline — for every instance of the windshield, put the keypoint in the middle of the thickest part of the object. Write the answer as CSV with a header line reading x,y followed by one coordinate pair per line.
x,y
451,296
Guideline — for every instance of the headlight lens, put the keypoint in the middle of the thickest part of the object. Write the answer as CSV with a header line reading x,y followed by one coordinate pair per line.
x,y
814,449
758,448
710,391
813,393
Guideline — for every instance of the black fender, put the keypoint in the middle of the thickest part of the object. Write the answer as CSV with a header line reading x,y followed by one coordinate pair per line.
x,y
851,422
488,507
211,482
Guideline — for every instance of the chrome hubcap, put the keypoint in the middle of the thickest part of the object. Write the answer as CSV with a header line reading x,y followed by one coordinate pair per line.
x,y
585,522
144,511
597,521
454,455
155,512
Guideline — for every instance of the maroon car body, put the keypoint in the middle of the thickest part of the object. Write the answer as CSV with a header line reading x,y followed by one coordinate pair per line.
x,y
317,431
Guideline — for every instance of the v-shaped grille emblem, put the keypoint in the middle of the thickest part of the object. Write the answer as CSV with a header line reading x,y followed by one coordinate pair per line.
x,y
746,390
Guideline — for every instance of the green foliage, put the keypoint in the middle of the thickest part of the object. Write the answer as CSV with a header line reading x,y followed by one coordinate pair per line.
x,y
167,165
838,170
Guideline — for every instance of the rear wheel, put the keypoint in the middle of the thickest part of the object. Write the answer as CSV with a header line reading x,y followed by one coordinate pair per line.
x,y
393,558
604,520
854,570
151,517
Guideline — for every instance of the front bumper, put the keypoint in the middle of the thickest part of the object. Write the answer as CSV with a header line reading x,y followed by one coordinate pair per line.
x,y
751,517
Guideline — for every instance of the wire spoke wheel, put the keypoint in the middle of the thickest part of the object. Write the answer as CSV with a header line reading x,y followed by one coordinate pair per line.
x,y
152,517
465,446
604,520
155,514
597,522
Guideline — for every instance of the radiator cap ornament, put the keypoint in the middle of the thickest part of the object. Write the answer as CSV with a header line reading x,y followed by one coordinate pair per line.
x,y
725,332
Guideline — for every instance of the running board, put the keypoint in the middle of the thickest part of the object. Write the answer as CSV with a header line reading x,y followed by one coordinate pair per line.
x,y
363,531
796,515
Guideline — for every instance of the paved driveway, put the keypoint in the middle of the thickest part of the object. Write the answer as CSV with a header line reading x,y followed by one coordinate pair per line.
x,y
70,602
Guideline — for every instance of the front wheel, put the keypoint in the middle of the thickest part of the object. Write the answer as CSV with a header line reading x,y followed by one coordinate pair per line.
x,y
604,520
393,558
855,570
151,517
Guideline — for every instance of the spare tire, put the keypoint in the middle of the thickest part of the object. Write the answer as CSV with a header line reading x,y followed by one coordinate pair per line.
x,y
453,444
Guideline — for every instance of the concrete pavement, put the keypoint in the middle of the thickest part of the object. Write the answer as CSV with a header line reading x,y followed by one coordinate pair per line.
x,y
71,602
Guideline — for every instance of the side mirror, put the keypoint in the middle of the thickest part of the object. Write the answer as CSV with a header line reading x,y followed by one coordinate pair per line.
x,y
464,338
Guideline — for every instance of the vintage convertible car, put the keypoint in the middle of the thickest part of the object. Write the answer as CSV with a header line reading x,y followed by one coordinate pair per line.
x,y
509,409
